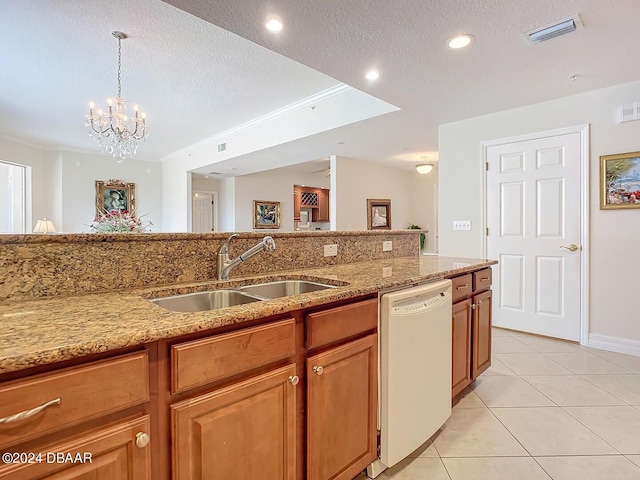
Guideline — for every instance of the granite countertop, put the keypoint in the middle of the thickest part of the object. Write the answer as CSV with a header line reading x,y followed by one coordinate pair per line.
x,y
49,330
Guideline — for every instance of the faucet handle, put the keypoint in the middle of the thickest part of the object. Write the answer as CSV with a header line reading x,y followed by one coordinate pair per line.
x,y
224,248
269,244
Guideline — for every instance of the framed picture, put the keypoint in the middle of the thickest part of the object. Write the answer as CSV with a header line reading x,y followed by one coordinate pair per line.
x,y
378,214
115,195
620,181
266,214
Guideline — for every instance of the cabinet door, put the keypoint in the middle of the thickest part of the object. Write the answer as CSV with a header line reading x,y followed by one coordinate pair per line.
x,y
120,452
342,410
240,432
481,333
461,347
323,205
296,204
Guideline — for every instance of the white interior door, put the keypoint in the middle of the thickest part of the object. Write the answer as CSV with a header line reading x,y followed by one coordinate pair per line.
x,y
202,213
534,222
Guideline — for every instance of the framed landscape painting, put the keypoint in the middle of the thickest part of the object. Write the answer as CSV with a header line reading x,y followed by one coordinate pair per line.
x,y
620,181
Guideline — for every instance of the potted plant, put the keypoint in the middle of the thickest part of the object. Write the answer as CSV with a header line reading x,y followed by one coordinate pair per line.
x,y
423,237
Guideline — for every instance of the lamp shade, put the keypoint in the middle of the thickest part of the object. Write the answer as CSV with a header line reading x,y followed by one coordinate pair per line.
x,y
424,168
44,226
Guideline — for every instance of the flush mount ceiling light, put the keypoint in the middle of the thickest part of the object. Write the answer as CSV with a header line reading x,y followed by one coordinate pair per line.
x,y
116,133
372,75
274,25
553,30
424,167
460,41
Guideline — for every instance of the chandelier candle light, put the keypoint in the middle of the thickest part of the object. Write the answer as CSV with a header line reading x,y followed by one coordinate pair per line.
x,y
117,134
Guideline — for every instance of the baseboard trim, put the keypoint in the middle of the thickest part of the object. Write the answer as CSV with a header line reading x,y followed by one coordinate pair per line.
x,y
614,344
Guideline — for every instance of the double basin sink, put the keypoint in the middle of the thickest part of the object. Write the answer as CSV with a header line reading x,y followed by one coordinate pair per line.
x,y
222,298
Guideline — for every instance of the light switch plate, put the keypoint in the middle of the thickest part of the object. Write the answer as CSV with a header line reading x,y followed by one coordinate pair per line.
x,y
331,250
387,246
462,224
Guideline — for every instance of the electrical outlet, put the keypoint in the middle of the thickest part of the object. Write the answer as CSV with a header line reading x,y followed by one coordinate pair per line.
x,y
387,271
387,246
462,225
331,250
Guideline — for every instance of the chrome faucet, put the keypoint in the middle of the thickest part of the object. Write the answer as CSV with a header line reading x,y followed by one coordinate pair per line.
x,y
225,264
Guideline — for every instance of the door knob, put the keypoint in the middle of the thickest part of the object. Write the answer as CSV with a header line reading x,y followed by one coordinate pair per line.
x,y
572,248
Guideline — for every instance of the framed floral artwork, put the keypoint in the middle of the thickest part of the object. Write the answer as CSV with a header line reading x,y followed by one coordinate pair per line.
x,y
115,195
620,181
266,214
378,214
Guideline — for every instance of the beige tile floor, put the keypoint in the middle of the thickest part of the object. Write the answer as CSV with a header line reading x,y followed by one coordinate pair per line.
x,y
546,409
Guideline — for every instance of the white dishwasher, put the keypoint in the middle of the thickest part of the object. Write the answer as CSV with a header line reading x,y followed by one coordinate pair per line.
x,y
415,369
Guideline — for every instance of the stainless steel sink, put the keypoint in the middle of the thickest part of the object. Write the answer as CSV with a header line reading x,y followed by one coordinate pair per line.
x,y
201,301
284,288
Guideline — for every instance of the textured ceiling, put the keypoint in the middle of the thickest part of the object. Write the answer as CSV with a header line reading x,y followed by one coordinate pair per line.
x,y
197,77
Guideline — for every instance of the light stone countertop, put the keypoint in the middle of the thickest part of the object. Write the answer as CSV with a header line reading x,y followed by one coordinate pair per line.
x,y
49,330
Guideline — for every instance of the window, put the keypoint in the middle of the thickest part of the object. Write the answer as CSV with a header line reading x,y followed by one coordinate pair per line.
x,y
13,198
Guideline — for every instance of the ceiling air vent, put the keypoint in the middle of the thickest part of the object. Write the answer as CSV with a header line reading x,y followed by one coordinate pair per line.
x,y
222,147
561,27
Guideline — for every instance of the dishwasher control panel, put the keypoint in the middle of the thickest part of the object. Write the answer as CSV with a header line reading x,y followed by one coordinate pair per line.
x,y
419,304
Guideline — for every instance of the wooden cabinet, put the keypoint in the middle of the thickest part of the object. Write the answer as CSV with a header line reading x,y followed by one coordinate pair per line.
x,y
120,452
315,199
321,214
87,421
243,431
461,351
341,390
341,410
471,325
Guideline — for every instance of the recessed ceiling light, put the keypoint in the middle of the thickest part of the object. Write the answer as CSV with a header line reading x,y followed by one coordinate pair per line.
x,y
460,41
273,25
372,75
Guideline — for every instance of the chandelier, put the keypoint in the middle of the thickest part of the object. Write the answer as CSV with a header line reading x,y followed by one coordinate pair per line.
x,y
116,133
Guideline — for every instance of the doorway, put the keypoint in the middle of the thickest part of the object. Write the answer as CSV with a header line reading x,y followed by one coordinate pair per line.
x,y
536,198
204,207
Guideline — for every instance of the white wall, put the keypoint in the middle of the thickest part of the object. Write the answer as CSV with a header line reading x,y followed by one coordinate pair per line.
x,y
64,184
357,180
614,234
227,205
42,171
274,186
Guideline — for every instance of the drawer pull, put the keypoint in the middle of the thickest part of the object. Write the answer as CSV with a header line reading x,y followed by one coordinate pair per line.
x,y
294,380
317,369
484,279
460,287
142,439
30,413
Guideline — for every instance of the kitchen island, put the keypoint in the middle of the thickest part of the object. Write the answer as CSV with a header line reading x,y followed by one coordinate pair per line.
x,y
282,388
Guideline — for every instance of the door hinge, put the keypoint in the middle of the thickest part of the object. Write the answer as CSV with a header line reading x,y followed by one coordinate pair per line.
x,y
487,231
211,202
486,165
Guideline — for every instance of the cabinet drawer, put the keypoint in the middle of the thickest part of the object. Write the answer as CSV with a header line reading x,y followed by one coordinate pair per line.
x,y
337,323
74,395
214,358
461,287
481,280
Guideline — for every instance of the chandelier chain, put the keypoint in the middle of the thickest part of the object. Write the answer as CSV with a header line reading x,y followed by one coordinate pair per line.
x,y
119,66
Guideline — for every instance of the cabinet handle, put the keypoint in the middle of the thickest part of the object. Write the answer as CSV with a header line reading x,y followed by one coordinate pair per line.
x,y
142,439
460,287
484,279
318,369
294,380
473,306
479,302
30,413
